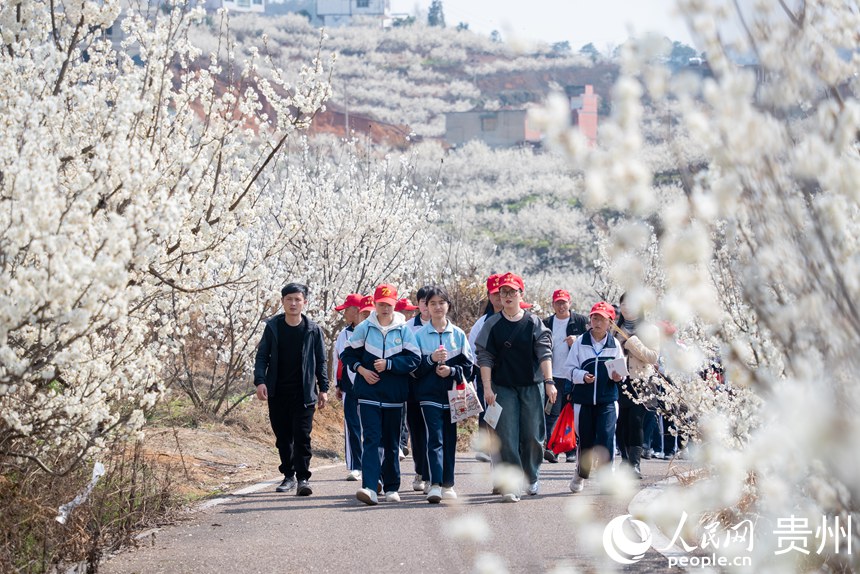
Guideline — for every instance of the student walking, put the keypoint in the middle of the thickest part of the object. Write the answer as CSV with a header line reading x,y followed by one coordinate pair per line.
x,y
595,393
351,308
565,327
412,428
382,351
493,306
290,374
515,356
446,359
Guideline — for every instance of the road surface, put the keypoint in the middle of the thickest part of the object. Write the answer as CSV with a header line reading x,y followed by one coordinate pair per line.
x,y
331,531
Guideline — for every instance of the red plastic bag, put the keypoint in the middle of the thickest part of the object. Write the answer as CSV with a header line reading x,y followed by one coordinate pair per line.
x,y
563,437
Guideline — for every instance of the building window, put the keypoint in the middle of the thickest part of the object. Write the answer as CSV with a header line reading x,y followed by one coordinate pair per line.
x,y
488,123
257,2
363,4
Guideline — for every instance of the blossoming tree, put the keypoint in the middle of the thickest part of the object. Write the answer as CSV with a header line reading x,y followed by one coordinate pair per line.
x,y
758,249
126,187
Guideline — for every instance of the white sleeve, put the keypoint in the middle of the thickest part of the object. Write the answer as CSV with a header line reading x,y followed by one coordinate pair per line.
x,y
473,335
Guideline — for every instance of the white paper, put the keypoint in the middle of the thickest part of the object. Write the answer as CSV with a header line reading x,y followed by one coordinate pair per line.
x,y
492,414
618,365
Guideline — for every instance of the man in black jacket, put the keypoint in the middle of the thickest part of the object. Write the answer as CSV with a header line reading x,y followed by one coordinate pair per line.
x,y
565,327
290,363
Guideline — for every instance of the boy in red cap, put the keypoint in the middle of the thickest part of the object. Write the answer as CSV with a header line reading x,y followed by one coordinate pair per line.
x,y
344,378
413,428
366,308
515,357
565,327
382,352
406,308
595,393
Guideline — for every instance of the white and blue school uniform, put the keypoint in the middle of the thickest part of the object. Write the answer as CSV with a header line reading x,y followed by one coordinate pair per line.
x,y
413,422
432,393
380,406
351,422
595,405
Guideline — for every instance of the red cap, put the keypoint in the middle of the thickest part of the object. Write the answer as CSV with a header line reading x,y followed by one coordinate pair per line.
x,y
366,304
603,308
668,328
559,295
493,283
352,300
404,305
511,280
524,305
385,293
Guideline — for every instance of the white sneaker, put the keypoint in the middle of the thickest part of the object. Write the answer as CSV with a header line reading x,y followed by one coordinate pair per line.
x,y
435,494
482,457
427,487
400,453
577,483
533,488
448,493
353,475
367,496
510,497
418,484
392,496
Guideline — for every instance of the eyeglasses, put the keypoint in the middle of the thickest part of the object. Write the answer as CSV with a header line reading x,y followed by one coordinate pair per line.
x,y
504,292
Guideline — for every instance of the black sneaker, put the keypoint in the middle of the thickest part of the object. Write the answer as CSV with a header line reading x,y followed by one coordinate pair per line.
x,y
287,485
549,456
304,489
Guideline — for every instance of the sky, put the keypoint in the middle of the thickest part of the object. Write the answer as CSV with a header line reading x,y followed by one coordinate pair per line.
x,y
605,23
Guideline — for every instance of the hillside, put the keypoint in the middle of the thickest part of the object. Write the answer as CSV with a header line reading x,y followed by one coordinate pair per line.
x,y
499,208
412,75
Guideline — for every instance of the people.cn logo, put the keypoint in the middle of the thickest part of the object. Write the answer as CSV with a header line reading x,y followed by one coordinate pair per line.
x,y
617,539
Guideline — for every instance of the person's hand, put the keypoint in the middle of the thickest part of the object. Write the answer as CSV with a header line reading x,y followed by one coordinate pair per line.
x,y
339,394
443,371
588,379
551,392
569,340
322,399
439,355
369,376
616,377
379,365
262,392
489,395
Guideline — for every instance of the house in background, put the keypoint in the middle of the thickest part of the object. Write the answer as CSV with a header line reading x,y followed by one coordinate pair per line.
x,y
508,128
500,128
583,110
257,6
254,6
334,13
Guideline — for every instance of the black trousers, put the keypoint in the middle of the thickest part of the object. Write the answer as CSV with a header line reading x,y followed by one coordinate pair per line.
x,y
631,420
292,423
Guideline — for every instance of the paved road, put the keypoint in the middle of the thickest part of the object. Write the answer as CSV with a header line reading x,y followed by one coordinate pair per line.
x,y
331,531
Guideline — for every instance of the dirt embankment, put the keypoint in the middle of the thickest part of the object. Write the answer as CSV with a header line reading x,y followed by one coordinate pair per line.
x,y
222,456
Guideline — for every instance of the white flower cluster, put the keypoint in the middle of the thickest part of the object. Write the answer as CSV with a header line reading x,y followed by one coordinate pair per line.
x,y
757,241
128,182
